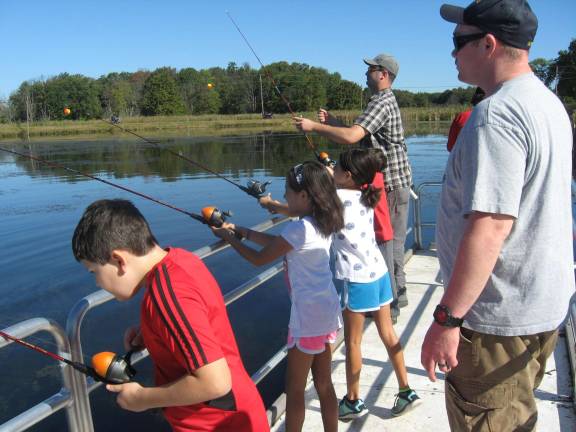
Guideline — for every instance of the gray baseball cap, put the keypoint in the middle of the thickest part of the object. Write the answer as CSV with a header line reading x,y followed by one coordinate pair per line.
x,y
386,61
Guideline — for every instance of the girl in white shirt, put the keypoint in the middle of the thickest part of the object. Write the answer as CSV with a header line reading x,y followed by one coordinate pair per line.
x,y
362,271
315,314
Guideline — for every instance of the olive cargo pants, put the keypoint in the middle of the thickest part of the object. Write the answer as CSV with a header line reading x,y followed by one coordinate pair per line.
x,y
492,388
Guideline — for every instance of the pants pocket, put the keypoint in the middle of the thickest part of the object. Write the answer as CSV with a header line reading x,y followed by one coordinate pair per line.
x,y
479,406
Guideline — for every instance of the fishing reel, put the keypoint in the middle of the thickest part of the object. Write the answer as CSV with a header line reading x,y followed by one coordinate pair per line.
x,y
112,368
324,159
256,189
215,217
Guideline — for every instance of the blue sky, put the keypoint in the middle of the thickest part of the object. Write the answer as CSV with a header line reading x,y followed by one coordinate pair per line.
x,y
42,38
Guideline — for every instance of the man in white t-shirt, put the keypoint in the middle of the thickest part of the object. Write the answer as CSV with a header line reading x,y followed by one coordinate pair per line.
x,y
504,231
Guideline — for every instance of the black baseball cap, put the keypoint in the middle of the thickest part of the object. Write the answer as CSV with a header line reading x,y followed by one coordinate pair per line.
x,y
510,21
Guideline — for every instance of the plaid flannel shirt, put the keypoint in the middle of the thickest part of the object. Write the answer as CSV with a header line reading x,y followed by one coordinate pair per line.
x,y
382,120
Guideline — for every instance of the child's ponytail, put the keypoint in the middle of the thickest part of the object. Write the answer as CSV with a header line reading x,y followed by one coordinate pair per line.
x,y
363,164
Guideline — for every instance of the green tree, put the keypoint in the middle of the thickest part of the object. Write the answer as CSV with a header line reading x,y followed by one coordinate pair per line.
x,y
541,68
302,86
198,96
79,93
238,88
116,93
5,113
137,81
160,95
342,94
49,98
563,70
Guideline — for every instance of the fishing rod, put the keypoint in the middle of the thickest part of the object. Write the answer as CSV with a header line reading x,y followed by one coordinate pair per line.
x,y
210,215
107,367
321,156
254,188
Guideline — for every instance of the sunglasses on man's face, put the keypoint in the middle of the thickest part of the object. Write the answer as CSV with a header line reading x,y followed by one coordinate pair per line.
x,y
376,68
461,40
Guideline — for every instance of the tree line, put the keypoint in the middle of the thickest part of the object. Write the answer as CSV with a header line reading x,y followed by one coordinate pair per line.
x,y
166,91
233,90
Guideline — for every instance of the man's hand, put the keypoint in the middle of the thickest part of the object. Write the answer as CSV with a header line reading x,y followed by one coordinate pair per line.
x,y
129,396
133,339
439,348
304,124
324,116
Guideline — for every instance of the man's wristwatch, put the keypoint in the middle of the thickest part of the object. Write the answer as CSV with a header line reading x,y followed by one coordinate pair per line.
x,y
443,316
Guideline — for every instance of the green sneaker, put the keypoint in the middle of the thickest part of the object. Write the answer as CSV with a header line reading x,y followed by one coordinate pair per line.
x,y
348,410
404,402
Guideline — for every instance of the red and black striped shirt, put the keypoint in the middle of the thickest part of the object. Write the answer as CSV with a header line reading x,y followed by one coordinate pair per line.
x,y
185,327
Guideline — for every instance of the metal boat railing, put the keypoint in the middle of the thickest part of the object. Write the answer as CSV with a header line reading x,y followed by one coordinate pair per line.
x,y
417,208
64,399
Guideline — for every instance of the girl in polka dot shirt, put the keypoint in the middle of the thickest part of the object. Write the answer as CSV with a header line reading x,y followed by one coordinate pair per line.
x,y
361,271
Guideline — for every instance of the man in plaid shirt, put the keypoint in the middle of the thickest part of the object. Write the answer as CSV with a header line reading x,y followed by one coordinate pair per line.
x,y
379,126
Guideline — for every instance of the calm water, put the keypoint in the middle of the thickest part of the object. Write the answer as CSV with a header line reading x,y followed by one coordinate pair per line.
x,y
39,209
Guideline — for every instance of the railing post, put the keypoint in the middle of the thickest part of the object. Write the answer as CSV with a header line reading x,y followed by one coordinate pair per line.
x,y
65,398
73,326
418,218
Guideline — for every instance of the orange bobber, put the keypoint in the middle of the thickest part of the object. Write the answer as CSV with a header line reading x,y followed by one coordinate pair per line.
x,y
101,362
323,155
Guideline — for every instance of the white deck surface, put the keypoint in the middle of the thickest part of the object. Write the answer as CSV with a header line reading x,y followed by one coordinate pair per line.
x,y
378,383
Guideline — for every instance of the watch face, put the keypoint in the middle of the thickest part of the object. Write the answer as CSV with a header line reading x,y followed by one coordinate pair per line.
x,y
441,315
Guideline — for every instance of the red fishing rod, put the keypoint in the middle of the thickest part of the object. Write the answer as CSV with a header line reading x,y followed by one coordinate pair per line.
x,y
210,215
254,188
106,367
321,156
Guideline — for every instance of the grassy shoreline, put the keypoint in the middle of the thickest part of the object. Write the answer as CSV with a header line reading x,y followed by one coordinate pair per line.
x,y
202,125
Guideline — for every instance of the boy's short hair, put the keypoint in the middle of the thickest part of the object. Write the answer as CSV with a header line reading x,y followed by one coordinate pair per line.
x,y
107,225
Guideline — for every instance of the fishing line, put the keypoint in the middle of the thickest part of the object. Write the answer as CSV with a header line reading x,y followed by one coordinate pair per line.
x,y
200,218
308,139
254,188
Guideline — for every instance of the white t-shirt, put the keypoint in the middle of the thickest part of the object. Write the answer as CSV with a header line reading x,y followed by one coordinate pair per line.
x,y
315,306
358,258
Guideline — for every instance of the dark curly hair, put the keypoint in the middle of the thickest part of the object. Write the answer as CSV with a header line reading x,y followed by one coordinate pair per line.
x,y
314,178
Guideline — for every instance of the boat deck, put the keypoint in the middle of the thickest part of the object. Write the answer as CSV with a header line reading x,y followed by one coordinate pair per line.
x,y
378,383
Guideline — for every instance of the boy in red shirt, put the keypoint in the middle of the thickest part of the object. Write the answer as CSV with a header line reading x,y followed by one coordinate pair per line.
x,y
201,383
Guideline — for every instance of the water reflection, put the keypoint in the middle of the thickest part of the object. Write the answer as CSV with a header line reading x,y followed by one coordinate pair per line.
x,y
234,157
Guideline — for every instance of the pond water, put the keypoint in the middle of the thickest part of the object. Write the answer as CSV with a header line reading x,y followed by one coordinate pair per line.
x,y
39,209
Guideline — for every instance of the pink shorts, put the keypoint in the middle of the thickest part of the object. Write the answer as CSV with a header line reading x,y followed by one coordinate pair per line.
x,y
311,344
